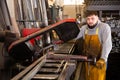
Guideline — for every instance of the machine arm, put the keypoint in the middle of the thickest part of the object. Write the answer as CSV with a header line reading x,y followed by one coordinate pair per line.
x,y
22,49
37,33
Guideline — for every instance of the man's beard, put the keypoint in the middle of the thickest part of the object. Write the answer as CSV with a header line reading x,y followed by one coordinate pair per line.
x,y
91,27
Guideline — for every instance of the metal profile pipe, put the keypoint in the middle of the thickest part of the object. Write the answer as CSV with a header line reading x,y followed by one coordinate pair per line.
x,y
6,14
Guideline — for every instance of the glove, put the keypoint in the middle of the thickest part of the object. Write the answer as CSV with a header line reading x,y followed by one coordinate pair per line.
x,y
100,63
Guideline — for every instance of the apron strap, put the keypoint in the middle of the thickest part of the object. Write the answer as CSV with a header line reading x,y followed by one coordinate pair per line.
x,y
86,31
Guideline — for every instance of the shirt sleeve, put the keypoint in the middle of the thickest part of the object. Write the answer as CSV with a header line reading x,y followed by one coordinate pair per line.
x,y
106,42
81,33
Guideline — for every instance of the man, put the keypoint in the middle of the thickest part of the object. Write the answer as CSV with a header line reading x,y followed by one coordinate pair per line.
x,y
97,44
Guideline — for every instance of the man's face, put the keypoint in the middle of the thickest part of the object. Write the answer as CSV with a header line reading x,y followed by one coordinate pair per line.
x,y
92,20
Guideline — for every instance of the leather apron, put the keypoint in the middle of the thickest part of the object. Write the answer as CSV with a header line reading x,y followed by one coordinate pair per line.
x,y
92,48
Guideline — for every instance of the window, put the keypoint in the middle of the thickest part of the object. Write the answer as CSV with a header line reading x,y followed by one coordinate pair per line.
x,y
73,2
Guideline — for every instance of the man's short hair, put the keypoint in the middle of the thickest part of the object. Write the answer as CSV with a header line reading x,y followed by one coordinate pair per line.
x,y
89,13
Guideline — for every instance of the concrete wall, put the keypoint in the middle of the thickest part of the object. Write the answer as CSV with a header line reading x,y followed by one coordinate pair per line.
x,y
69,11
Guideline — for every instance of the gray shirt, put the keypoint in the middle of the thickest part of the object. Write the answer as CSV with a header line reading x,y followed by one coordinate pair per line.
x,y
104,34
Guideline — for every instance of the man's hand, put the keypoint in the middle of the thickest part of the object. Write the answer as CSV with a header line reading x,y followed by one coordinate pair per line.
x,y
100,63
